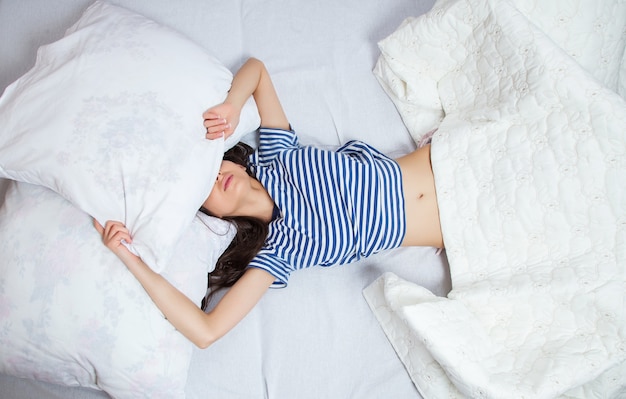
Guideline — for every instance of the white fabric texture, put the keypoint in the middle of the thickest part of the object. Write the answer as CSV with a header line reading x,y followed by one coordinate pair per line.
x,y
110,117
72,314
530,164
317,338
414,58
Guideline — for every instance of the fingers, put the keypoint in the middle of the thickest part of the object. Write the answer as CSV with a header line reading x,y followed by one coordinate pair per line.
x,y
214,136
117,232
211,114
220,121
212,119
98,226
218,131
113,233
216,128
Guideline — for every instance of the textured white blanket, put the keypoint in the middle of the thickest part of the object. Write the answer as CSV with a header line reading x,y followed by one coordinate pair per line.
x,y
530,170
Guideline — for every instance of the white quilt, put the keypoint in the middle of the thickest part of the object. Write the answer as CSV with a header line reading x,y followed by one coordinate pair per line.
x,y
530,169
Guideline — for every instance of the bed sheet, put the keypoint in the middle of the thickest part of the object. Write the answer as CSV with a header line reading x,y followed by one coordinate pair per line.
x,y
317,338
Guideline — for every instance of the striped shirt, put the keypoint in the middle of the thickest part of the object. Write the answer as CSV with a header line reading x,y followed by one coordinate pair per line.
x,y
335,207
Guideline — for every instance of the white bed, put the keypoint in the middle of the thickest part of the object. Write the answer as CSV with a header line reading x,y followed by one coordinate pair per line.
x,y
530,166
317,338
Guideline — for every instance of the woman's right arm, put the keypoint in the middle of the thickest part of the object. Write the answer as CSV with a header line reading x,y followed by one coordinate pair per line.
x,y
200,328
252,79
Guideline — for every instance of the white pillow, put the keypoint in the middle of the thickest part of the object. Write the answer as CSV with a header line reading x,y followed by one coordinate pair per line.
x,y
72,314
110,117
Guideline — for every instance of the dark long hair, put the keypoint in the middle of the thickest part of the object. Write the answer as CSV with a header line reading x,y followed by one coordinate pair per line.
x,y
248,241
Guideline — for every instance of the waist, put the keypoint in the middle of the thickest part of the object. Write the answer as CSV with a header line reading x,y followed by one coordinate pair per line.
x,y
420,200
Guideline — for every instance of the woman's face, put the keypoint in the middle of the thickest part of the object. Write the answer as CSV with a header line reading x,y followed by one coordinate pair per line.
x,y
232,186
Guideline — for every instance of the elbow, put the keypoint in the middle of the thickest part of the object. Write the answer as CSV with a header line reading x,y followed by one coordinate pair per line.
x,y
254,60
204,331
257,63
203,344
207,336
205,340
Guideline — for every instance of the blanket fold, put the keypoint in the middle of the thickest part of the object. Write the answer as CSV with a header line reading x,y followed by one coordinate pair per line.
x,y
530,169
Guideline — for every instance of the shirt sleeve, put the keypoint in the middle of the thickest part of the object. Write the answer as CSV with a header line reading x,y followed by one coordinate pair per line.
x,y
273,141
361,151
274,266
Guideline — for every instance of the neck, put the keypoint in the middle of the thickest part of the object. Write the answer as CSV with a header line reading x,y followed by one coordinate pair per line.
x,y
261,205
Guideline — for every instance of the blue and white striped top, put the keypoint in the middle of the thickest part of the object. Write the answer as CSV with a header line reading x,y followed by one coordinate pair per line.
x,y
335,206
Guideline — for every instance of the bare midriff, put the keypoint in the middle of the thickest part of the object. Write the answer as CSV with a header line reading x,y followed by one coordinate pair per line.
x,y
420,200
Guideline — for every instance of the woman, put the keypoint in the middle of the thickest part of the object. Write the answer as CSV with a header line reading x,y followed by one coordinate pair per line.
x,y
322,208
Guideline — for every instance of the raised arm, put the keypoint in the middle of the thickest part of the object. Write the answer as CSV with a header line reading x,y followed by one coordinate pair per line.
x,y
199,327
252,79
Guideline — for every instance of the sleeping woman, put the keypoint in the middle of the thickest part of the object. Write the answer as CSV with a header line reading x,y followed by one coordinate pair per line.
x,y
294,207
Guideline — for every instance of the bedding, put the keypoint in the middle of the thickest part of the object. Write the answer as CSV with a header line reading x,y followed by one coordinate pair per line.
x,y
317,338
71,314
117,102
530,162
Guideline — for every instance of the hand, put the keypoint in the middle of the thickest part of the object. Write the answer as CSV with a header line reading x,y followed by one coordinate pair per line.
x,y
113,233
221,120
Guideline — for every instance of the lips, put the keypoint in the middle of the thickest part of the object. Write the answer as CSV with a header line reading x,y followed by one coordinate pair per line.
x,y
227,181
